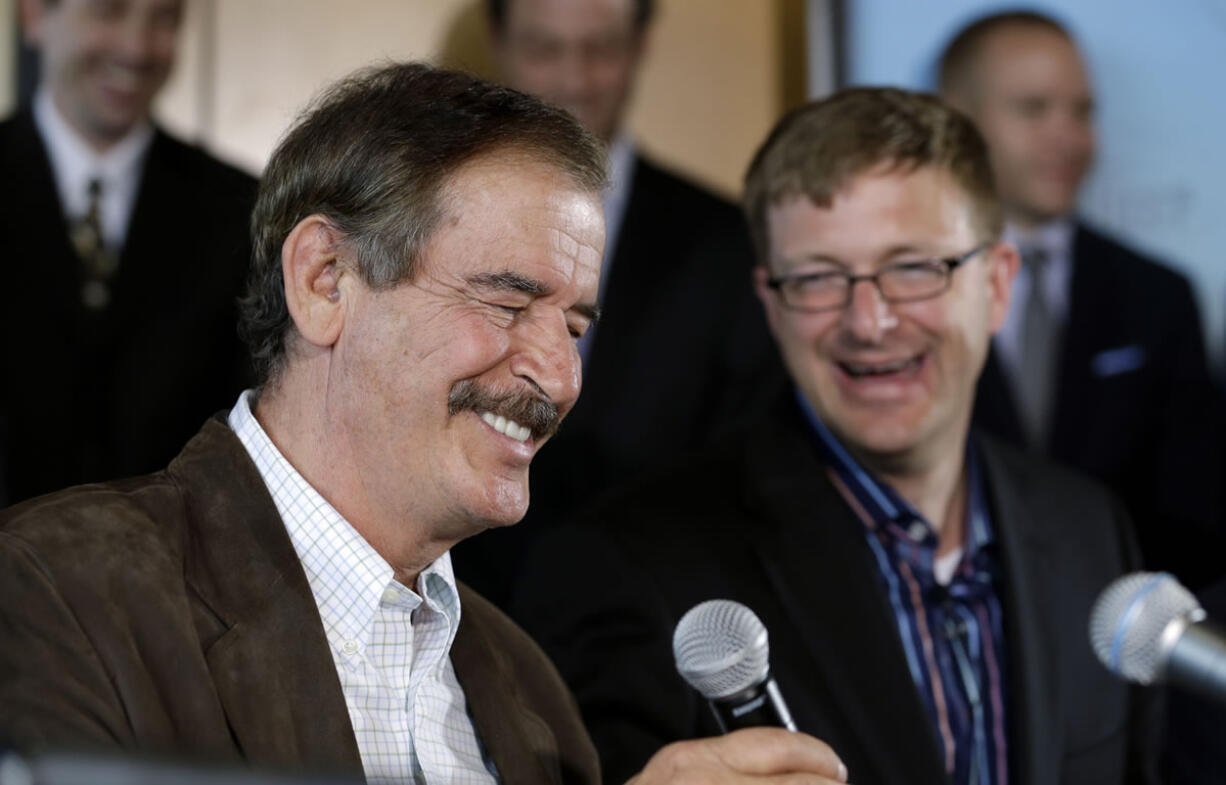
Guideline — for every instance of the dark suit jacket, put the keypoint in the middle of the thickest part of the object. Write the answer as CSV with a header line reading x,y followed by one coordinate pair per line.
x,y
170,613
758,521
87,398
682,353
1134,405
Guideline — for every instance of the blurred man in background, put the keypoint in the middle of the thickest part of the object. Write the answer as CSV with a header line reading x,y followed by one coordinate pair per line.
x,y
681,351
1101,362
127,250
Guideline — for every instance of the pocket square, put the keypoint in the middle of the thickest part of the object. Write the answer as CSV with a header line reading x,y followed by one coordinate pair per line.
x,y
1113,362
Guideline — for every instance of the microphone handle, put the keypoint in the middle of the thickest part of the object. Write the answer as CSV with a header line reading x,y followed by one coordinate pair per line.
x,y
1197,661
758,706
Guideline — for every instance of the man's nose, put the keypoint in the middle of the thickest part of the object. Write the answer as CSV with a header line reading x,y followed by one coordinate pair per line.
x,y
547,356
136,37
867,316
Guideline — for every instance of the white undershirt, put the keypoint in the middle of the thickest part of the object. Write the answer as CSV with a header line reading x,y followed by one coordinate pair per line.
x,y
617,195
75,164
614,201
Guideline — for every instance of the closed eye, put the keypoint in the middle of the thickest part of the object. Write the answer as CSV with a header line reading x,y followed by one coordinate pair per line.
x,y
577,331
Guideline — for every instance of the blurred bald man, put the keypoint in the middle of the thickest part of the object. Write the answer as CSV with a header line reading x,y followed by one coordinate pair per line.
x,y
1101,362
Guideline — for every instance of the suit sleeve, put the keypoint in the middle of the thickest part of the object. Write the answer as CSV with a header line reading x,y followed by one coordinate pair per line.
x,y
53,686
604,625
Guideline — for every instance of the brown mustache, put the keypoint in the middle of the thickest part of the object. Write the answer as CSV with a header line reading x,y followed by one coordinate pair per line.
x,y
534,412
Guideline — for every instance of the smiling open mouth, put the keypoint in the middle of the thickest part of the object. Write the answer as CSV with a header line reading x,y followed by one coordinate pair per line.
x,y
518,414
869,370
519,433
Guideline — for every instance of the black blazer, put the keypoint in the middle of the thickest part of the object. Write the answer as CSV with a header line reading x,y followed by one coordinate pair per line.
x,y
758,521
682,353
1135,406
91,398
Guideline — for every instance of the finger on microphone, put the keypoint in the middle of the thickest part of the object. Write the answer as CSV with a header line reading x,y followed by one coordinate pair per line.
x,y
743,756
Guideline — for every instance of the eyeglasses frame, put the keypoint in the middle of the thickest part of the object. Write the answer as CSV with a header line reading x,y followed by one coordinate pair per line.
x,y
950,263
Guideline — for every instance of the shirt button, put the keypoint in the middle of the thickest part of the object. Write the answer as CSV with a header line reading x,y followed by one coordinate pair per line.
x,y
918,531
350,647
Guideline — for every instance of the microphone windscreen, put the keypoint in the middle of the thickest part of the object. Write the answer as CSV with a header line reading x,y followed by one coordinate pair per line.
x,y
721,648
1128,620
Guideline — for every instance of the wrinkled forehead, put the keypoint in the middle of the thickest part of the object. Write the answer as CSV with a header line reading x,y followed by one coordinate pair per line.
x,y
879,211
516,208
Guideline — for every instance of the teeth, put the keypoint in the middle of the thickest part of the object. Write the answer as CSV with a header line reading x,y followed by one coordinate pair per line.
x,y
507,427
863,370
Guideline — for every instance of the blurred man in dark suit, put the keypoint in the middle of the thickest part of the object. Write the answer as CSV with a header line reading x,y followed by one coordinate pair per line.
x,y
128,248
926,588
1101,363
681,351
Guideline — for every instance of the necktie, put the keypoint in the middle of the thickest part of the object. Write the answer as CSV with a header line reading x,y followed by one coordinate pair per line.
x,y
1040,348
98,263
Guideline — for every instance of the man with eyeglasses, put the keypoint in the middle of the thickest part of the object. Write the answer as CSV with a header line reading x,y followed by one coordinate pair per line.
x,y
926,589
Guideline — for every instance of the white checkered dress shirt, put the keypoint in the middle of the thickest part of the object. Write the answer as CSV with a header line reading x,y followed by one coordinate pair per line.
x,y
391,645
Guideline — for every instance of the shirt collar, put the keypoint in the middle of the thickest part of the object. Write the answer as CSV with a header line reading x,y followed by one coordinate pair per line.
x,y
1054,236
617,195
884,506
75,162
348,578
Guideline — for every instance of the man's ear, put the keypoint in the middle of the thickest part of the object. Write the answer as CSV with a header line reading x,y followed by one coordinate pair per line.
x,y
312,276
33,13
1003,263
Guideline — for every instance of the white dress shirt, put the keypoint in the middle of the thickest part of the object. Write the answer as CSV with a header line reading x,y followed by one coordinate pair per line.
x,y
391,645
617,195
614,201
1056,238
75,164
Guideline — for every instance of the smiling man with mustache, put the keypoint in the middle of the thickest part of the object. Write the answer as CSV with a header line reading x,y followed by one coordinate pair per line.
x,y
427,255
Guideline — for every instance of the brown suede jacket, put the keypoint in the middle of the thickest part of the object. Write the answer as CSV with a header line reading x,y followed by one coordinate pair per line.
x,y
169,614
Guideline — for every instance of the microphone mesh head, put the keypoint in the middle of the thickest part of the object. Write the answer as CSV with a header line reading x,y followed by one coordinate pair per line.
x,y
1128,619
721,648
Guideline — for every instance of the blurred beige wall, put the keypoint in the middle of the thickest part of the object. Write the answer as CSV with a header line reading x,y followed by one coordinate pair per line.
x,y
8,55
711,86
249,66
713,83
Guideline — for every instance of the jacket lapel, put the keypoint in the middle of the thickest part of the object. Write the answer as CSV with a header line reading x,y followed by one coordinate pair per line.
x,y
821,570
264,642
995,408
1035,711
520,747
